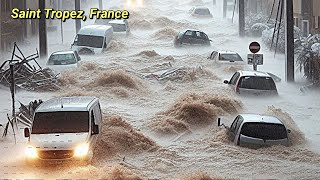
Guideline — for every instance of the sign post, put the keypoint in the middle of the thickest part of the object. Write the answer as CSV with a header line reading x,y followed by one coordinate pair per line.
x,y
254,47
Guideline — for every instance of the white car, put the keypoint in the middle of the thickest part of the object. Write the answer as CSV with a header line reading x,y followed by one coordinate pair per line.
x,y
226,57
63,60
254,130
120,26
200,12
252,83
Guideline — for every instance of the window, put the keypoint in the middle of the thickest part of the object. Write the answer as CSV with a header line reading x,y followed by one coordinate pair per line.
x,y
230,57
92,121
255,82
235,78
188,33
234,124
60,122
62,59
265,131
90,41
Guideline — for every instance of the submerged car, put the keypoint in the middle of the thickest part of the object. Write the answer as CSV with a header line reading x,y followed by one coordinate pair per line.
x,y
63,60
252,83
191,37
64,129
254,130
120,26
200,12
226,56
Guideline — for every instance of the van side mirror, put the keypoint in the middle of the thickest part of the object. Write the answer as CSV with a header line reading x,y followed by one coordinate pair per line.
x,y
95,129
226,81
26,132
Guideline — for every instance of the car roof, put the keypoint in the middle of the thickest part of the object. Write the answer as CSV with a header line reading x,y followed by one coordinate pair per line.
x,y
227,52
77,103
260,118
62,52
254,73
95,29
202,8
191,30
117,21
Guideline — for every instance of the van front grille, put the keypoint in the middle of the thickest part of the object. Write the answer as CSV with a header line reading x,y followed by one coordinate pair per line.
x,y
55,154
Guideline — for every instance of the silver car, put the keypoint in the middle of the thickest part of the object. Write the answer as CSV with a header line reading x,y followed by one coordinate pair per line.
x,y
252,83
254,130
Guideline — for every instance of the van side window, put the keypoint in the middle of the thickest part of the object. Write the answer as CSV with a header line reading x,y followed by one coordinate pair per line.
x,y
92,121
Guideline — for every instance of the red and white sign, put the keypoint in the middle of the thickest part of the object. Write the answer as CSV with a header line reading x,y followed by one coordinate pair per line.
x,y
254,47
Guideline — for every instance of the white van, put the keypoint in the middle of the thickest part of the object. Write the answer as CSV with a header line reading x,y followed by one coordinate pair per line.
x,y
64,128
92,39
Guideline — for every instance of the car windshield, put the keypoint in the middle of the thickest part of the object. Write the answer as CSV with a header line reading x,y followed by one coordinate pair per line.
x,y
202,11
257,82
89,41
118,27
265,131
230,57
62,59
60,122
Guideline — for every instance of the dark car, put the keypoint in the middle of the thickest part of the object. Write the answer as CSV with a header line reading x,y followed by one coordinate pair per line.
x,y
191,37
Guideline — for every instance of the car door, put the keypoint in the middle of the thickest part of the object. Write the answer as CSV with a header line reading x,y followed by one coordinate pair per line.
x,y
187,37
203,38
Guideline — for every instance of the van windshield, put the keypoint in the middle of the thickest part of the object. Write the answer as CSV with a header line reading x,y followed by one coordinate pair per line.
x,y
89,41
266,131
60,122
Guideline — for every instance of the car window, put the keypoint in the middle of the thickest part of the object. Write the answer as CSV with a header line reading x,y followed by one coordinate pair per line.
x,y
198,35
202,11
235,78
257,82
203,36
62,59
233,125
229,57
188,33
266,131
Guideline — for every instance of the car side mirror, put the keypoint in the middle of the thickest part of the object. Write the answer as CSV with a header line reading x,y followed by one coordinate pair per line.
x,y
26,132
289,131
226,81
95,129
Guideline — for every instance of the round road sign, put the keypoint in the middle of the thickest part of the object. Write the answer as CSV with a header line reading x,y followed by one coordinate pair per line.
x,y
254,47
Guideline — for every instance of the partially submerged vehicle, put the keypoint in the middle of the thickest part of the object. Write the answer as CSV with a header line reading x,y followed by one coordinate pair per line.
x,y
63,60
64,128
226,57
191,37
200,12
252,83
254,130
92,39
120,26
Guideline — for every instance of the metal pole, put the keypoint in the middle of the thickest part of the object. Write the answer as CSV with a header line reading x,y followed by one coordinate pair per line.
x,y
100,4
241,18
42,31
12,89
78,21
1,48
289,43
255,68
61,23
225,8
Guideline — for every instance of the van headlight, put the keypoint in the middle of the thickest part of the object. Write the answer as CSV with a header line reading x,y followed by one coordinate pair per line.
x,y
31,152
81,150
